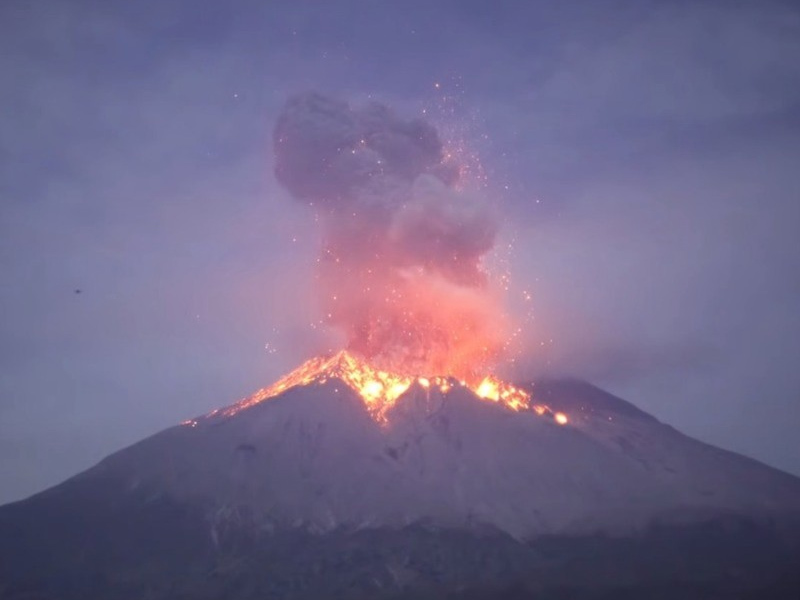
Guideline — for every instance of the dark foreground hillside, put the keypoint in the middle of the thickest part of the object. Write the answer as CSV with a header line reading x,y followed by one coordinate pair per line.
x,y
76,543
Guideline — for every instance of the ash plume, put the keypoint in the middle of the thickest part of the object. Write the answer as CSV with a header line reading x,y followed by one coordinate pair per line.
x,y
400,264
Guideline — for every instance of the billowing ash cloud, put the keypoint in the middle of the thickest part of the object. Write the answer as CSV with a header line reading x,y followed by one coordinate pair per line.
x,y
400,262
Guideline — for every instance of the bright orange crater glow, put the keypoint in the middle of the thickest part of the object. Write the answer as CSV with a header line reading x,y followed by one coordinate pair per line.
x,y
380,389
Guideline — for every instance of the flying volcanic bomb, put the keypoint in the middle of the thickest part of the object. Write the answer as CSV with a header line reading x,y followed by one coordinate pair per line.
x,y
403,238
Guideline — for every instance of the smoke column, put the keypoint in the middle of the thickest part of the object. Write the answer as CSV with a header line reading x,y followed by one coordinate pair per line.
x,y
400,263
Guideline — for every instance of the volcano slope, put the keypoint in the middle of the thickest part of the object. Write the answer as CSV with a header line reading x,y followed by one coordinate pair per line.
x,y
306,495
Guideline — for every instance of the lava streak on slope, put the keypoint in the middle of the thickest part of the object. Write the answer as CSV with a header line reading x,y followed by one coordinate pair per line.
x,y
380,390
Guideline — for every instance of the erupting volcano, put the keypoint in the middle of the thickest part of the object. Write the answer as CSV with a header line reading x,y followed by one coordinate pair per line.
x,y
403,465
400,271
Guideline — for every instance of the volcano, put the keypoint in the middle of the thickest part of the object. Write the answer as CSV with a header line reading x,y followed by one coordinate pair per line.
x,y
344,481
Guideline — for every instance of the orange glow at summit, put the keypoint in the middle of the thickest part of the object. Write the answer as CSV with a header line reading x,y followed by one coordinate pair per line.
x,y
380,390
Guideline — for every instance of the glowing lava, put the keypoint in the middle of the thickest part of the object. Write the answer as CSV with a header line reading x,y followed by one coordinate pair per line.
x,y
380,389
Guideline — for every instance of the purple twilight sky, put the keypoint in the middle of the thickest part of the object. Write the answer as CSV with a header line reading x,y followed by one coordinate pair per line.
x,y
644,157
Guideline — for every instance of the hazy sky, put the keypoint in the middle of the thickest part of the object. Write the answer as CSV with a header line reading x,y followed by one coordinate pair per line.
x,y
644,158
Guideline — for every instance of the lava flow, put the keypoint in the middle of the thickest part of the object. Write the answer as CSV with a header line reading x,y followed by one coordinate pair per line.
x,y
380,390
